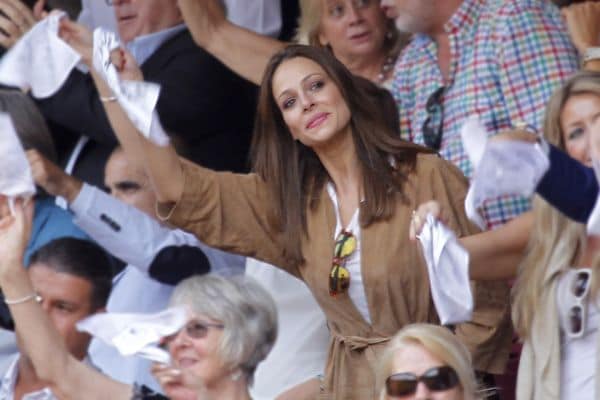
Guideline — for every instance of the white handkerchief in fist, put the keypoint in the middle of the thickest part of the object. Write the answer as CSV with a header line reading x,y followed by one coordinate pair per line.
x,y
15,175
448,267
501,168
138,99
40,60
136,333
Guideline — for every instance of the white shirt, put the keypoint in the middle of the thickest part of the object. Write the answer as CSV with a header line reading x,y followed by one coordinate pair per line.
x,y
578,355
356,291
300,351
136,241
7,389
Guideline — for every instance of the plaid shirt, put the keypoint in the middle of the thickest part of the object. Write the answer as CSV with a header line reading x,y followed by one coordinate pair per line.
x,y
507,57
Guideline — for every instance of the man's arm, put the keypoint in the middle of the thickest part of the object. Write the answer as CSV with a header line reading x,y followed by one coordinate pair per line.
x,y
569,186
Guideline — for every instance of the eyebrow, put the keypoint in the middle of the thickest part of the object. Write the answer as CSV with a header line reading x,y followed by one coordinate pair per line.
x,y
307,77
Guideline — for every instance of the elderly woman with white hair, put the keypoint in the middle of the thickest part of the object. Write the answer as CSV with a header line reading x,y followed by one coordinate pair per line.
x,y
232,326
425,361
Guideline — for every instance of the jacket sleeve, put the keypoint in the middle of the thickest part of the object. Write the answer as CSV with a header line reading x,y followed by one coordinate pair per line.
x,y
230,212
164,254
569,186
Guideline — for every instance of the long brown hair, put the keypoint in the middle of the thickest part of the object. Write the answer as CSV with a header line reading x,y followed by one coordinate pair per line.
x,y
294,173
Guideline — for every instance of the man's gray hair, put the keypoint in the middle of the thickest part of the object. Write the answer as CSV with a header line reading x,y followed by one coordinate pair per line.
x,y
243,306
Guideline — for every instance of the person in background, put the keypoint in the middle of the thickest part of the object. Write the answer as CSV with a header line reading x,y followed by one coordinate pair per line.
x,y
157,257
70,280
231,327
425,361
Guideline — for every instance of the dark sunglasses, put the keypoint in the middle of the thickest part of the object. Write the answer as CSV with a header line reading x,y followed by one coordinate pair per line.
x,y
436,379
339,276
580,287
433,125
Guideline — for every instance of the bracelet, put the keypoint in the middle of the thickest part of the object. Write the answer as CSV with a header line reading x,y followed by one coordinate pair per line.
x,y
33,296
108,99
591,54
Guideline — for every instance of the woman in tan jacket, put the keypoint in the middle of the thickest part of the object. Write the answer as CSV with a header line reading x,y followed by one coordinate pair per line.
x,y
330,201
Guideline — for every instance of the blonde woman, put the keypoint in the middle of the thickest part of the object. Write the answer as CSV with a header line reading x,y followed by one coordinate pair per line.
x,y
356,31
426,361
555,299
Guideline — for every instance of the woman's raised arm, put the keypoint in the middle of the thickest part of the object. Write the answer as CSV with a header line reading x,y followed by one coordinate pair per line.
x,y
241,50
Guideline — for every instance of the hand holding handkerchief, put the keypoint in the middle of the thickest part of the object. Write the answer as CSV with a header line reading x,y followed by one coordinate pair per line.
x,y
40,60
137,98
136,334
15,175
448,268
501,168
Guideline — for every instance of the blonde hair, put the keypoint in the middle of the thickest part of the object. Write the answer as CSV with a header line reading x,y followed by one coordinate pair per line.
x,y
440,343
556,241
309,24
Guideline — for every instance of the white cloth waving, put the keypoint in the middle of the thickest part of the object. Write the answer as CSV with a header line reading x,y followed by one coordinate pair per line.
x,y
138,99
501,168
136,333
16,179
40,60
448,267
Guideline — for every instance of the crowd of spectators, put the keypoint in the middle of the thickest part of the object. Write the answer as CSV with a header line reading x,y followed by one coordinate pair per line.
x,y
308,143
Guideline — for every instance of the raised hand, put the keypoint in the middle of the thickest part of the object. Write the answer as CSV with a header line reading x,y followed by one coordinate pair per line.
x,y
15,230
583,23
80,38
126,65
52,178
16,19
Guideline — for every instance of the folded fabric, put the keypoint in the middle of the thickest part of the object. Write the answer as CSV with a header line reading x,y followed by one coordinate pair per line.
x,y
137,334
593,224
448,268
40,60
15,175
138,99
500,168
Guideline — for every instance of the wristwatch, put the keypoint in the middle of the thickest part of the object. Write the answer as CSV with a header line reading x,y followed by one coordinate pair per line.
x,y
591,53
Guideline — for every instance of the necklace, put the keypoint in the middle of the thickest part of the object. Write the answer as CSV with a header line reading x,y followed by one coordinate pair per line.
x,y
386,67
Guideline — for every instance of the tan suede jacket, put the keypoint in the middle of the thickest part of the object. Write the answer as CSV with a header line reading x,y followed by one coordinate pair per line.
x,y
229,211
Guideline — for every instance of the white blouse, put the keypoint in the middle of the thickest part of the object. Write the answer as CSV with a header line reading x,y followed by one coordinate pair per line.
x,y
356,291
578,355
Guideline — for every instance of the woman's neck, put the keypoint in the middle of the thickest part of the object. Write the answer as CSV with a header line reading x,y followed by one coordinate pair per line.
x,y
368,67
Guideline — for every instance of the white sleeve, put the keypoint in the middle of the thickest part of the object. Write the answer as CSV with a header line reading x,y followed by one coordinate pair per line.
x,y
260,16
130,234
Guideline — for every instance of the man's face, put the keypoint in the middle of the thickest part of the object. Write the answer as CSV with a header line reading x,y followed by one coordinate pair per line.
x,y
129,184
414,16
66,299
142,17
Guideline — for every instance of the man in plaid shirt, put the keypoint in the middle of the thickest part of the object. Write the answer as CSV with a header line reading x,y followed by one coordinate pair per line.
x,y
499,59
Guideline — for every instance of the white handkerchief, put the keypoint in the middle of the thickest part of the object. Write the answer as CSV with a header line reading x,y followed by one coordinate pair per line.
x,y
136,333
138,99
593,224
15,175
500,168
448,267
40,60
